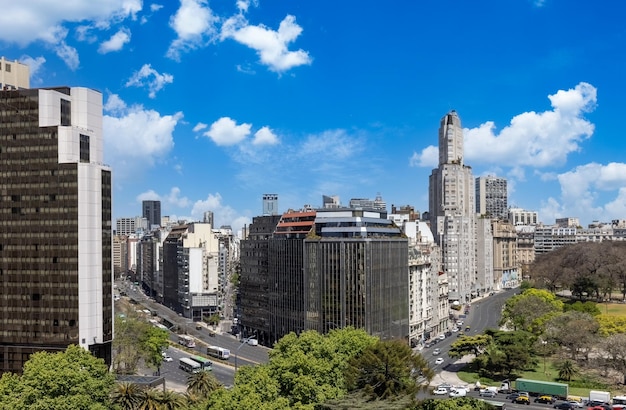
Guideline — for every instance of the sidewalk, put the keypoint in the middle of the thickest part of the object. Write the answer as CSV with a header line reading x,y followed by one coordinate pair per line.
x,y
449,374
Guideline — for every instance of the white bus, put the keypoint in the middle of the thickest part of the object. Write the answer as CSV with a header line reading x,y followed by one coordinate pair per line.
x,y
190,366
186,341
219,352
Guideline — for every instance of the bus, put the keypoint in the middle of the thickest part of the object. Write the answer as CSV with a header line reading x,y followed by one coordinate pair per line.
x,y
188,365
186,341
205,364
219,352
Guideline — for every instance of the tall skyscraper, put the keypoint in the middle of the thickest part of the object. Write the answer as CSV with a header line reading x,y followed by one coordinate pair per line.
x,y
56,235
492,197
270,204
452,210
151,210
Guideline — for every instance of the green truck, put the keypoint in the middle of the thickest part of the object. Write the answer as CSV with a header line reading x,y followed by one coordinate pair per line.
x,y
537,387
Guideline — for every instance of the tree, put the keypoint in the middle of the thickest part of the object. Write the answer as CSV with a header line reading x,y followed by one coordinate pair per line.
x,y
586,307
202,383
458,403
388,369
310,368
469,345
614,356
150,400
530,310
567,369
136,340
575,331
610,325
72,379
171,400
126,395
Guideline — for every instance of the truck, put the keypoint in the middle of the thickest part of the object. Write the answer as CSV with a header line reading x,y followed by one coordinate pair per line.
x,y
600,396
537,387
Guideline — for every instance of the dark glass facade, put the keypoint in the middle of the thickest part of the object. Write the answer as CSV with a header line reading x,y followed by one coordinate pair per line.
x,y
39,230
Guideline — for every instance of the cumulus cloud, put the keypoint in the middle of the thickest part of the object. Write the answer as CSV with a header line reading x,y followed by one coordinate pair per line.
x,y
333,144
148,196
225,131
429,157
223,214
23,22
199,127
270,45
34,65
532,139
174,198
149,78
116,42
135,137
194,24
265,136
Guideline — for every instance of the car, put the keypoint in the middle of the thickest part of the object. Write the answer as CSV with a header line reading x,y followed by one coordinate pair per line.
x,y
512,396
457,392
436,351
440,391
253,342
545,399
439,361
461,333
487,393
455,329
576,403
521,400
167,358
441,336
467,328
459,323
564,406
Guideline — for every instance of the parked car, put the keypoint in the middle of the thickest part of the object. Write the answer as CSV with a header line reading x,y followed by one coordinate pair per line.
x,y
440,391
439,361
487,393
253,342
521,400
545,399
441,336
436,351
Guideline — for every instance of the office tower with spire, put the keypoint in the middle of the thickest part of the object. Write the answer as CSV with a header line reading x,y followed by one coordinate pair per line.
x,y
452,210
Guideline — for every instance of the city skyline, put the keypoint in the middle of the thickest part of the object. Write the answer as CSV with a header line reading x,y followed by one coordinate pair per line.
x,y
209,106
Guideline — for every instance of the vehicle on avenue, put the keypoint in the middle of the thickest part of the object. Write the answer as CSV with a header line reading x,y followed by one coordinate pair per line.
x,y
521,400
253,342
457,392
577,404
167,358
439,361
487,393
441,336
564,406
545,399
467,328
436,351
512,396
455,329
440,391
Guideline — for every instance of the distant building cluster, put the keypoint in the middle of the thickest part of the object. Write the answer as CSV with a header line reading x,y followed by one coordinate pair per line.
x,y
398,274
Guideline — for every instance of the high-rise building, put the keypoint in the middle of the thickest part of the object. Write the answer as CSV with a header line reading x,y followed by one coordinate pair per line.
x,y
13,75
365,203
129,226
208,218
452,210
56,236
270,204
518,216
151,210
492,197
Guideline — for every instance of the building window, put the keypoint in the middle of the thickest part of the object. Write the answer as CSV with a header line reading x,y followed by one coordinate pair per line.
x,y
7,67
66,113
84,148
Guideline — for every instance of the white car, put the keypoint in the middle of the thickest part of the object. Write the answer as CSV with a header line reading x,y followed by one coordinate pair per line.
x,y
455,329
458,393
440,391
439,361
436,351
167,358
253,342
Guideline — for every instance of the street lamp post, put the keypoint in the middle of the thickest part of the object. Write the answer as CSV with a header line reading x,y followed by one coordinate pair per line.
x,y
244,341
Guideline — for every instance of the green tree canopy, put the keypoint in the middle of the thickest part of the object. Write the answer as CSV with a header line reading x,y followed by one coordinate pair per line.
x,y
469,345
73,379
458,403
530,310
136,340
573,330
388,369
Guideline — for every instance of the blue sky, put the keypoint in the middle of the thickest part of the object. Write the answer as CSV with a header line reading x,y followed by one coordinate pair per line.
x,y
209,105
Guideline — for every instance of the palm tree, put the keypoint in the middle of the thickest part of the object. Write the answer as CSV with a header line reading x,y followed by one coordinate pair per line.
x,y
150,400
170,400
567,369
126,395
202,383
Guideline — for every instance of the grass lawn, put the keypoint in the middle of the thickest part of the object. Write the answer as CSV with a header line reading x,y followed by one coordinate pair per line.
x,y
613,309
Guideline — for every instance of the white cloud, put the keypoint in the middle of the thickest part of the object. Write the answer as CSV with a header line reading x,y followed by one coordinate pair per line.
x,y
222,214
23,22
34,65
155,7
174,198
142,77
148,196
532,139
68,54
270,45
265,136
333,144
194,24
199,127
225,131
116,42
135,138
429,157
